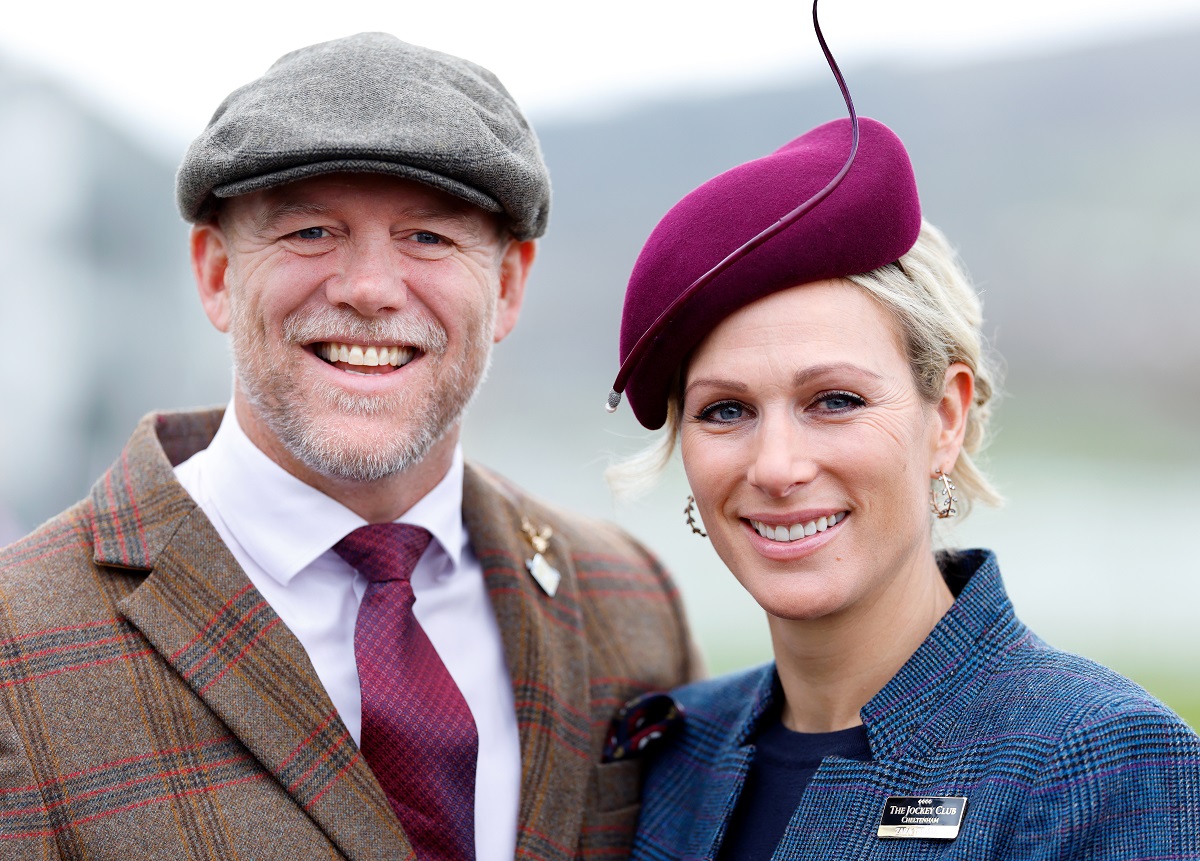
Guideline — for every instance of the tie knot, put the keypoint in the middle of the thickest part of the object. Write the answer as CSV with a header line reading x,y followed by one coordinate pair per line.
x,y
384,551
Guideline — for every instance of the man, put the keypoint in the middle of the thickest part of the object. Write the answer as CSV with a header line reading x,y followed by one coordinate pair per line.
x,y
217,655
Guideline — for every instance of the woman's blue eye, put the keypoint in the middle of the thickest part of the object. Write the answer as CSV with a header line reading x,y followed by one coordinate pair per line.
x,y
837,402
726,411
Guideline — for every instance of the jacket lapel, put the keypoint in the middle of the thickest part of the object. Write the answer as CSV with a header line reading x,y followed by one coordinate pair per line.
x,y
723,786
203,616
544,645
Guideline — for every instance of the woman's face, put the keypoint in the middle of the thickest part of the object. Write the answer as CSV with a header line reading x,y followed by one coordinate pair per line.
x,y
810,452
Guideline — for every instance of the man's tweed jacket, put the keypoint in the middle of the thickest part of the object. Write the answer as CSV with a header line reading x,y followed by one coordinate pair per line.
x,y
1058,757
153,706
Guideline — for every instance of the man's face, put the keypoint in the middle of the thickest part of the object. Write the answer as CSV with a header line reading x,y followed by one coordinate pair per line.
x,y
362,310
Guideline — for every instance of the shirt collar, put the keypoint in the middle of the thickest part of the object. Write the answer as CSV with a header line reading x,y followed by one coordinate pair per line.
x,y
285,525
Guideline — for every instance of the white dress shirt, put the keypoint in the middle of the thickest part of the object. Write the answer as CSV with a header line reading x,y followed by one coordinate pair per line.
x,y
281,531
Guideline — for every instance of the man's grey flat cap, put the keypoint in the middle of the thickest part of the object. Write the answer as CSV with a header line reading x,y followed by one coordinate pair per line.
x,y
371,103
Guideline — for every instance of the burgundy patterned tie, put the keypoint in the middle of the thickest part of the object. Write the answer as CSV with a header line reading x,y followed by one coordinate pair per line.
x,y
418,734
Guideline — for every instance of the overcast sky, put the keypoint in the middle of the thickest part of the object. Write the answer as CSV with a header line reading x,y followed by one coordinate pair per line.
x,y
164,66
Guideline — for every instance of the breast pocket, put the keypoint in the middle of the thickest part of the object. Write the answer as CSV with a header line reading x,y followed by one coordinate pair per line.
x,y
614,801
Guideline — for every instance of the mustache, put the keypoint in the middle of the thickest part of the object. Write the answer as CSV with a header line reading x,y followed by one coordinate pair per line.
x,y
333,324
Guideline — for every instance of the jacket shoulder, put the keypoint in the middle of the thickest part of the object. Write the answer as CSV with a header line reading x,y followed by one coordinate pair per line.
x,y
56,551
51,583
1069,690
1085,742
1083,702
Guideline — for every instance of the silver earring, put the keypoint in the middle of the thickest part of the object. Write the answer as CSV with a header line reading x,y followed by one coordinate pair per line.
x,y
690,511
941,498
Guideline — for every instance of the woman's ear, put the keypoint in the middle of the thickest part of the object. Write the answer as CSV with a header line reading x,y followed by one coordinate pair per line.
x,y
210,265
958,394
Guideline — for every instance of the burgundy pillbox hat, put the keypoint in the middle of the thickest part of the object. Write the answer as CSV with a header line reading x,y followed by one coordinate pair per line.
x,y
871,218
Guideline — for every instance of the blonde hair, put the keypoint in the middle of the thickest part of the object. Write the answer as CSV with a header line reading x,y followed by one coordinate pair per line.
x,y
941,320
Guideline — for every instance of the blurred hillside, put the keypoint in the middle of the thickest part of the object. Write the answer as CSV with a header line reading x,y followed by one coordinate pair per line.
x,y
1068,182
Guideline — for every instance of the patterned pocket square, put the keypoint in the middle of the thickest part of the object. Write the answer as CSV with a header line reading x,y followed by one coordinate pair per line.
x,y
641,724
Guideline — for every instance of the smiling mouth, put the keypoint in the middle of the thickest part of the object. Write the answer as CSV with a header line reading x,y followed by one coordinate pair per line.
x,y
796,531
381,360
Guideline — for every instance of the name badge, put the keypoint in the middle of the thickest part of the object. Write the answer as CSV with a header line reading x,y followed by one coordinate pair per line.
x,y
928,816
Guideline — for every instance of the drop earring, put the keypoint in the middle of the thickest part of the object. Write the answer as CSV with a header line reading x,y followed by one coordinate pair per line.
x,y
941,497
690,511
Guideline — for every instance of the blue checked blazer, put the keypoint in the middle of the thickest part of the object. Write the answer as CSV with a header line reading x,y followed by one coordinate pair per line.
x,y
1059,758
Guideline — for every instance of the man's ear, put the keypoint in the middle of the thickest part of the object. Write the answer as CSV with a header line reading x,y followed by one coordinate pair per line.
x,y
515,264
210,265
958,395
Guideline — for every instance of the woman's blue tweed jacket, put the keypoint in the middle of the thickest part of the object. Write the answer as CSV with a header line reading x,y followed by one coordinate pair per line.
x,y
1059,758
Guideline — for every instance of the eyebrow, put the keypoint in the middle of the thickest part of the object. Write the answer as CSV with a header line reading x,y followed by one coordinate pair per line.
x,y
272,215
800,378
454,216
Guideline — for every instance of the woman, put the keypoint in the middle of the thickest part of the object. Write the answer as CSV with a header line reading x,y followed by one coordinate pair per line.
x,y
828,387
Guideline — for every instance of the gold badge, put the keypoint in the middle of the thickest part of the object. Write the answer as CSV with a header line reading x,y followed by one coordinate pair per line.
x,y
929,816
546,575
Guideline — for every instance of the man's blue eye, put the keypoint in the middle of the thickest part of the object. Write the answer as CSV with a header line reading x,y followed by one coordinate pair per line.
x,y
426,238
311,233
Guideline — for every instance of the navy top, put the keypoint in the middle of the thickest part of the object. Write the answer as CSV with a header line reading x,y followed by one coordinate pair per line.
x,y
784,762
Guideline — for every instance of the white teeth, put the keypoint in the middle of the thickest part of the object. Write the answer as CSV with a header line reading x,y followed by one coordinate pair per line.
x,y
797,530
356,354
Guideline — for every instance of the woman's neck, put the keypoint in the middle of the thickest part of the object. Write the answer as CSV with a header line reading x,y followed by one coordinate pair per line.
x,y
830,667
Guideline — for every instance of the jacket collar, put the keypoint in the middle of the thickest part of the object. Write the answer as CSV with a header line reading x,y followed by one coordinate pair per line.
x,y
138,505
976,629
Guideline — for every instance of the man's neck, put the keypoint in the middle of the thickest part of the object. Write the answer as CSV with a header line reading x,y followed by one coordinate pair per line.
x,y
380,501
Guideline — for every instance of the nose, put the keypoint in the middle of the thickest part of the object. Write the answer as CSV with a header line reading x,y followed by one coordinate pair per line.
x,y
371,278
780,461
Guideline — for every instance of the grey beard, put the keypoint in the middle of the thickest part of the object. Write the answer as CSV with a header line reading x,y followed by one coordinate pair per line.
x,y
275,397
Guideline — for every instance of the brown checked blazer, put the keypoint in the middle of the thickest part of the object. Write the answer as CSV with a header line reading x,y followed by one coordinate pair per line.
x,y
152,704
